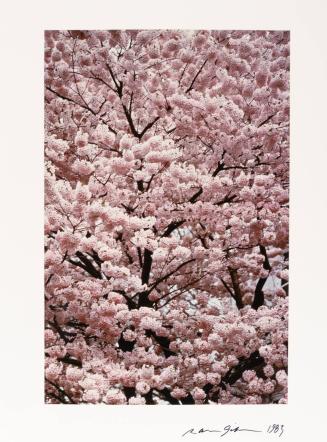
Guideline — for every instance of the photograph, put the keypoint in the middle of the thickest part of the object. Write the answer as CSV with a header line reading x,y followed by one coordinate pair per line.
x,y
166,216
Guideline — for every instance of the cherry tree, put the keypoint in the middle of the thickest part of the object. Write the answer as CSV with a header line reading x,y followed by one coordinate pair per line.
x,y
166,216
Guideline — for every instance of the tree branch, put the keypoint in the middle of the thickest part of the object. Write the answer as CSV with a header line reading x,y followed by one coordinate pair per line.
x,y
147,262
87,265
258,299
171,227
170,274
196,76
235,373
266,120
61,391
236,288
72,361
148,126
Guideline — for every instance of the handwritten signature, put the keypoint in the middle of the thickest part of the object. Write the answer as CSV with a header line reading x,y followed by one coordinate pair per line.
x,y
271,429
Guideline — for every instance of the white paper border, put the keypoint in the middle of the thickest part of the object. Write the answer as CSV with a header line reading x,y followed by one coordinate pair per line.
x,y
23,416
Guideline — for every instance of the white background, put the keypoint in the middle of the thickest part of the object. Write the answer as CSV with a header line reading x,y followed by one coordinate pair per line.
x,y
23,416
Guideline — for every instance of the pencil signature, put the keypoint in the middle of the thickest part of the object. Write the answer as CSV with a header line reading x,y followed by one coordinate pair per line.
x,y
271,429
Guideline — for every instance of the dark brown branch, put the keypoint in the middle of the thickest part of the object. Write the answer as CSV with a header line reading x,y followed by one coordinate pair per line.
x,y
54,396
170,130
129,392
140,256
181,77
227,288
146,268
171,227
163,342
128,112
130,103
71,100
62,96
149,182
284,282
227,199
132,126
180,291
163,278
196,76
266,120
149,398
72,361
199,192
165,394
130,122
96,257
125,345
259,299
235,373
117,84
188,400
61,391
63,335
254,361
196,196
140,186
49,279
236,288
87,265
147,127
218,169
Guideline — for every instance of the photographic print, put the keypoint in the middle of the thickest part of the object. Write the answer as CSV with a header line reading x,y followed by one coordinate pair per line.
x,y
166,216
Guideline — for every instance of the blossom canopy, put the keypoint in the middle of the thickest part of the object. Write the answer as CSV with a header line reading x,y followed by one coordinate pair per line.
x,y
166,216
